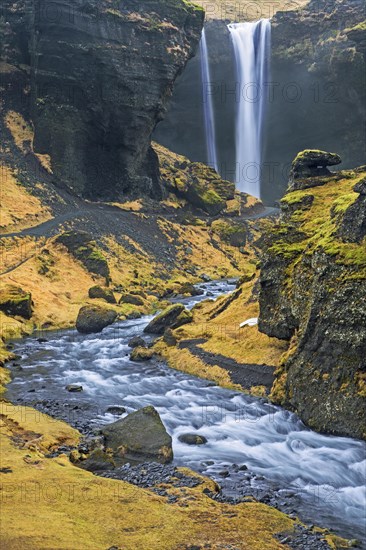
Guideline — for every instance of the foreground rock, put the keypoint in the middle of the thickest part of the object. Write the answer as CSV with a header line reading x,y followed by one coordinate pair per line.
x,y
94,319
139,437
15,301
172,317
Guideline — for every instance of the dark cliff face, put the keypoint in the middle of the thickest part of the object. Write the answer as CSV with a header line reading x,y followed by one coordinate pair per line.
x,y
101,73
315,96
313,293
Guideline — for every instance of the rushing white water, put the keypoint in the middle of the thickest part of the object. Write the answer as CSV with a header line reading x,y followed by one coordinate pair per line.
x,y
208,111
327,472
251,42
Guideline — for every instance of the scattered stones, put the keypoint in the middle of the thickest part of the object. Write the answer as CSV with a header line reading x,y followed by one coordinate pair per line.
x,y
192,439
149,474
102,293
74,388
94,319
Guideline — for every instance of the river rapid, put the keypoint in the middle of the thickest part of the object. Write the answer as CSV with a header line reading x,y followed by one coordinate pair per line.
x,y
321,478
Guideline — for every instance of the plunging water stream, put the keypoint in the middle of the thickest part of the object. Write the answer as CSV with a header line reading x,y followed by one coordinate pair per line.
x,y
251,42
208,111
326,473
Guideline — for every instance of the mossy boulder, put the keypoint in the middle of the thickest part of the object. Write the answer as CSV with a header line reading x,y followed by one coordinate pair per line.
x,y
102,293
139,437
94,319
200,195
141,354
82,246
311,163
15,301
173,316
230,232
190,289
133,299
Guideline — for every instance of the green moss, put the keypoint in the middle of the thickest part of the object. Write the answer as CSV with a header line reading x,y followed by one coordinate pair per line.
x,y
319,224
342,203
359,27
295,197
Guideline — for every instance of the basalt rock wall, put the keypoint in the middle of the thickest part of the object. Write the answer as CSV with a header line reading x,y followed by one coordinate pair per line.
x,y
99,74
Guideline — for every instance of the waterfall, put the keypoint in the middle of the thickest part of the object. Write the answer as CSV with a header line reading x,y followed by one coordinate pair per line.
x,y
251,42
208,105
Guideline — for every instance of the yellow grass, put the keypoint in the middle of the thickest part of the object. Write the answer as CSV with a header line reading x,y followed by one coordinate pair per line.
x,y
184,360
18,208
51,504
129,206
245,345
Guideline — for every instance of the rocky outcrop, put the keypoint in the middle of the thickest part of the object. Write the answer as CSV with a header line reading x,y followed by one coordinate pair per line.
x,y
15,301
82,246
101,73
139,437
201,187
311,164
94,319
313,293
173,316
353,225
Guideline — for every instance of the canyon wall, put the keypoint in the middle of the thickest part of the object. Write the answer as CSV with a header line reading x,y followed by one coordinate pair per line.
x,y
313,294
99,75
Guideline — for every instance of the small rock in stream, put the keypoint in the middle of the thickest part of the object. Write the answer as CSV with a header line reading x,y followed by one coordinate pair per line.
x,y
74,388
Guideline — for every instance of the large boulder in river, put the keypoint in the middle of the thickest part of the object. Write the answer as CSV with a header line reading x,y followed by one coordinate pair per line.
x,y
15,301
105,294
173,316
139,437
94,319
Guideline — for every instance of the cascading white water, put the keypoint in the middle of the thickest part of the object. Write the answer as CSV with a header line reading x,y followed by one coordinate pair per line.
x,y
208,105
251,43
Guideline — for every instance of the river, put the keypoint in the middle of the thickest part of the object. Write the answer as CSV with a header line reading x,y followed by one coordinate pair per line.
x,y
319,477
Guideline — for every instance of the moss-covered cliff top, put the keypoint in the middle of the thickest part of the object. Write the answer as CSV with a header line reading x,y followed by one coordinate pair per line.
x,y
316,214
